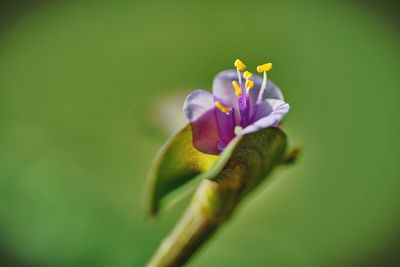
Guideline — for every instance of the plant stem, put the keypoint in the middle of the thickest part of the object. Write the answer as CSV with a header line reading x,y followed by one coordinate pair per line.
x,y
210,207
185,239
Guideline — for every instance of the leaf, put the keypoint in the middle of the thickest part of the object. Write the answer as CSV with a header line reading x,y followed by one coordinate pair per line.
x,y
176,164
248,160
241,167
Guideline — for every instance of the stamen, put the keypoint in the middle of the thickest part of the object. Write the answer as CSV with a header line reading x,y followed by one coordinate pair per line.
x,y
264,67
223,108
238,91
249,84
240,66
247,74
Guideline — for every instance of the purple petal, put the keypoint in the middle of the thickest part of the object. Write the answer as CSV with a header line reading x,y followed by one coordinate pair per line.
x,y
226,127
269,114
272,91
206,133
223,90
197,103
222,87
212,129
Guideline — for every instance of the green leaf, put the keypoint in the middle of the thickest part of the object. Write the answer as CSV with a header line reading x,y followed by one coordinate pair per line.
x,y
241,167
176,164
249,159
245,162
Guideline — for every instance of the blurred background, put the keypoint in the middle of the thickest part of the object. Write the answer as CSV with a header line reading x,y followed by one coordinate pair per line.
x,y
90,91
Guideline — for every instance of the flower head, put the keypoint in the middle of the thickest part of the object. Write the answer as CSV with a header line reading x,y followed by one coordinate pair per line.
x,y
240,103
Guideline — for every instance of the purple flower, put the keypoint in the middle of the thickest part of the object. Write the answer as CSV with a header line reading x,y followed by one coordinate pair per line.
x,y
240,104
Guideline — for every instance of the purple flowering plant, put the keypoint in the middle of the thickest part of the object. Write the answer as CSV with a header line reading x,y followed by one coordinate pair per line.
x,y
234,108
231,144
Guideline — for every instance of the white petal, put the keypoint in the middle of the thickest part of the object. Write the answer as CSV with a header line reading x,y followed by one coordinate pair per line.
x,y
197,103
272,112
223,89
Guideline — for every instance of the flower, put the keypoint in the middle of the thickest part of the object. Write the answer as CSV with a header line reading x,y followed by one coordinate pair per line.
x,y
241,103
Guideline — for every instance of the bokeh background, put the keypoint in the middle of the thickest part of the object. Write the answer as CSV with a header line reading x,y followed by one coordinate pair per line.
x,y
90,91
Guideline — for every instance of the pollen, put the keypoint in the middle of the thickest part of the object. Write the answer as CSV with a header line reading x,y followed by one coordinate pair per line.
x,y
240,65
264,67
249,84
238,91
221,107
247,74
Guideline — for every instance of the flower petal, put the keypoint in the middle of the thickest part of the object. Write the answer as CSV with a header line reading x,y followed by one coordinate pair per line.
x,y
206,133
222,87
226,127
212,129
269,114
272,91
197,103
223,90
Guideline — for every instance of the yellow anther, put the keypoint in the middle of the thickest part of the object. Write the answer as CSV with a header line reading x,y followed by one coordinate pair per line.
x,y
249,84
223,108
247,74
264,67
240,65
238,91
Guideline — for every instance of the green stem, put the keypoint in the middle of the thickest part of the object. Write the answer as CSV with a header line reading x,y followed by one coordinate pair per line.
x,y
211,206
245,166
191,232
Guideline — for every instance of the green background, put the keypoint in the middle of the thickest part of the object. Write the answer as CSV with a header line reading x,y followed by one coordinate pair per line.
x,y
89,92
